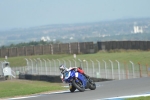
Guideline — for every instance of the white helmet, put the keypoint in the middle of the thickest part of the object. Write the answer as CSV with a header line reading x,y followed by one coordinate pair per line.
x,y
62,68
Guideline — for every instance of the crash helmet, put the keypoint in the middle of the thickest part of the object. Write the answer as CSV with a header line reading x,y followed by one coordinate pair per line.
x,y
62,68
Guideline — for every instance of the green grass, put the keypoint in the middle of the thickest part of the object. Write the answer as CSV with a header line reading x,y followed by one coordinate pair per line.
x,y
135,56
13,88
139,98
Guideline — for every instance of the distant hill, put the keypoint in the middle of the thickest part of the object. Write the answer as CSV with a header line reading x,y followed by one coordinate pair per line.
x,y
81,32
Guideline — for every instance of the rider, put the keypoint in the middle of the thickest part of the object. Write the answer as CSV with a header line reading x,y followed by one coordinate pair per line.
x,y
63,69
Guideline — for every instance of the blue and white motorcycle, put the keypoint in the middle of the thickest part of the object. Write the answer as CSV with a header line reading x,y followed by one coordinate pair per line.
x,y
81,82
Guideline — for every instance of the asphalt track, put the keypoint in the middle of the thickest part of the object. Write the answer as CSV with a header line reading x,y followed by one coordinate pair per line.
x,y
107,89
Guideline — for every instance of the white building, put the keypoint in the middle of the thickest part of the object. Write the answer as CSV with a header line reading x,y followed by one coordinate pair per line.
x,y
45,38
138,29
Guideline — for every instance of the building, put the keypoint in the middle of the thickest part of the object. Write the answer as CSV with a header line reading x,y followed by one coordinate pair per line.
x,y
138,29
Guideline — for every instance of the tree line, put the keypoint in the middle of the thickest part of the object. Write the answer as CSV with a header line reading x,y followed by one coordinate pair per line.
x,y
34,43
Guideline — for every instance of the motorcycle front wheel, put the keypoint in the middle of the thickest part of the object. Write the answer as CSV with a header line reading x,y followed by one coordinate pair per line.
x,y
72,88
78,85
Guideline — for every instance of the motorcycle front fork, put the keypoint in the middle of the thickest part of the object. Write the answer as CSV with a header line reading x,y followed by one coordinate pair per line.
x,y
70,85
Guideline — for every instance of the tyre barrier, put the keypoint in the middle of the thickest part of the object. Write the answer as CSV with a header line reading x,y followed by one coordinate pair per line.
x,y
52,78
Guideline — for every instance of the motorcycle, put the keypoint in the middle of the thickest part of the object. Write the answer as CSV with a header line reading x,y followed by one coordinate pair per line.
x,y
81,82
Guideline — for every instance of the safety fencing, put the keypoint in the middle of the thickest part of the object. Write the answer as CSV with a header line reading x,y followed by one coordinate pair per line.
x,y
107,69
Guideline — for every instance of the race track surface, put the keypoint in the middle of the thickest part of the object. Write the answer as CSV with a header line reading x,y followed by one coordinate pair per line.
x,y
105,89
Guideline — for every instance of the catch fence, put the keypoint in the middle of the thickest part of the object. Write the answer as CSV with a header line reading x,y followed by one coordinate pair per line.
x,y
107,69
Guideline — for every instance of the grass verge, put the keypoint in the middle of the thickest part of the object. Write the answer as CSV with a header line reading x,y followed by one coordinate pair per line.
x,y
139,98
12,88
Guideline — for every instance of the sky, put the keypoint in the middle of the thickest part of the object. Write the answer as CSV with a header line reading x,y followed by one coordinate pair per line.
x,y
31,13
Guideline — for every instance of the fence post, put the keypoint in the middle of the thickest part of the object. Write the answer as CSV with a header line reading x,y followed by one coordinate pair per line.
x,y
40,66
86,65
132,68
50,65
93,67
54,66
35,64
140,70
31,65
80,63
105,68
112,69
58,61
99,67
69,62
64,62
118,68
75,62
45,66
27,62
126,68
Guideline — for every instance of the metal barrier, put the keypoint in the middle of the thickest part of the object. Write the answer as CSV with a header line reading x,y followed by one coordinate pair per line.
x,y
108,69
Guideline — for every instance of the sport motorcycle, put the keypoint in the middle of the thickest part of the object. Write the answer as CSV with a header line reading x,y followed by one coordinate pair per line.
x,y
81,82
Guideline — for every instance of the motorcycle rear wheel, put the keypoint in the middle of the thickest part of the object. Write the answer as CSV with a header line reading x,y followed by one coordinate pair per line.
x,y
92,85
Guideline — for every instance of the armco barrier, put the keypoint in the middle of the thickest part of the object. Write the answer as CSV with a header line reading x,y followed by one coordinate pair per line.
x,y
52,78
49,78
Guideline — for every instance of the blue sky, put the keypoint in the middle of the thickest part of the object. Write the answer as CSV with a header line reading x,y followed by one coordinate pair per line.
x,y
30,13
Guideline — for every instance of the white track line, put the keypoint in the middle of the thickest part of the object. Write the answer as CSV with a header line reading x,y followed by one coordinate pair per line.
x,y
22,97
35,95
124,97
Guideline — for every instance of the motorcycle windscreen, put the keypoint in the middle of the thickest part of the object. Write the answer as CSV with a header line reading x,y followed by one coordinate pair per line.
x,y
69,75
